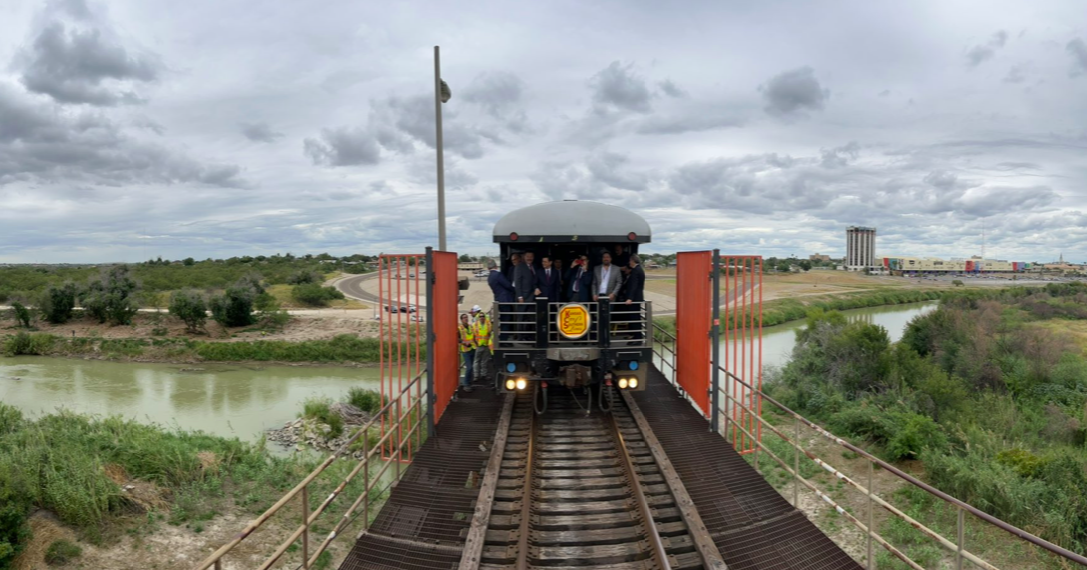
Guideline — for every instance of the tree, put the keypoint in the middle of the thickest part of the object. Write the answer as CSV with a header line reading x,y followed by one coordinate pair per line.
x,y
58,303
189,262
304,276
315,295
234,308
464,258
111,297
805,264
957,282
22,314
189,306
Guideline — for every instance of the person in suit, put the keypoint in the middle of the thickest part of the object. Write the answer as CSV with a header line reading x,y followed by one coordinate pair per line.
x,y
515,260
635,288
579,281
548,281
503,293
635,285
524,290
557,265
620,257
606,279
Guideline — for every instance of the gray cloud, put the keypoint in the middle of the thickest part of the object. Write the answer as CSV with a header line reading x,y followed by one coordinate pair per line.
x,y
498,92
39,143
1077,48
686,122
671,89
343,146
85,66
984,52
1015,75
260,132
792,92
618,88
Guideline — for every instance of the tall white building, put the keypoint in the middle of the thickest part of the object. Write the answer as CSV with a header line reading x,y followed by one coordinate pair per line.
x,y
860,248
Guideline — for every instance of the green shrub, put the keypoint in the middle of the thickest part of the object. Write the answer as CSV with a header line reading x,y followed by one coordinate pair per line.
x,y
234,308
866,422
189,306
61,552
314,294
11,418
22,314
1025,463
31,344
365,400
112,296
918,433
58,303
304,276
15,503
318,409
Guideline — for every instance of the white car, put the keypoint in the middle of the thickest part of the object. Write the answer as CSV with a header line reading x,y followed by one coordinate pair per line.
x,y
482,274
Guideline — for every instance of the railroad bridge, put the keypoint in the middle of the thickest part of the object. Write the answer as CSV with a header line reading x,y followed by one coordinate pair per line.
x,y
671,476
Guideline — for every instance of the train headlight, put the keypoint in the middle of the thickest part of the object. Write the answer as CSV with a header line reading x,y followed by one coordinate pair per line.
x,y
622,383
510,384
521,383
633,383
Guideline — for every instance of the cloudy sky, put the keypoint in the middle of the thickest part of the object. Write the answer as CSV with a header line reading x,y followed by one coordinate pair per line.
x,y
137,128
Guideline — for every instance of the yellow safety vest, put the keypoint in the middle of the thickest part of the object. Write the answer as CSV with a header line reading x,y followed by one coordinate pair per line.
x,y
467,342
484,335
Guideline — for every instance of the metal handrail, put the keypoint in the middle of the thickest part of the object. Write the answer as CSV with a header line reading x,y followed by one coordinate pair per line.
x,y
215,559
962,507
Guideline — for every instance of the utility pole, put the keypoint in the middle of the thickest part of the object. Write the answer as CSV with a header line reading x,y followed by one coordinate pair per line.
x,y
439,98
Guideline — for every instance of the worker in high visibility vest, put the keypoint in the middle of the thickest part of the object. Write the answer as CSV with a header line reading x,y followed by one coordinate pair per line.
x,y
467,350
483,336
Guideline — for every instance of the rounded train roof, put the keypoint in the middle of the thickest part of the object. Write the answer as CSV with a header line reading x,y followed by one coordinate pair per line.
x,y
577,219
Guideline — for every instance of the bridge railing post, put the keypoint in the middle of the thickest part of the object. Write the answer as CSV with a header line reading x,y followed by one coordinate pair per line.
x,y
961,538
305,525
796,466
871,559
715,340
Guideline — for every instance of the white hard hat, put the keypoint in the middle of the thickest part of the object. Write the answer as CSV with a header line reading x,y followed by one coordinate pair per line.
x,y
476,308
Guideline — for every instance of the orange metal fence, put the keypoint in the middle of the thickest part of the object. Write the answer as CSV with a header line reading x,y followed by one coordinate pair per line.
x,y
740,317
442,307
401,282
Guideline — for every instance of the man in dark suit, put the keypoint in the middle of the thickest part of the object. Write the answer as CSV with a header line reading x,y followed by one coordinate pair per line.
x,y
548,280
579,281
524,291
503,293
635,289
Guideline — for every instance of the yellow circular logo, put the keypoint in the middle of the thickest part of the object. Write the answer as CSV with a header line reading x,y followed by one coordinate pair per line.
x,y
573,320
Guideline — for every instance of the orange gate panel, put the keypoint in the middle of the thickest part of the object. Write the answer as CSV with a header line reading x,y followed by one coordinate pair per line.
x,y
693,322
741,346
399,287
442,308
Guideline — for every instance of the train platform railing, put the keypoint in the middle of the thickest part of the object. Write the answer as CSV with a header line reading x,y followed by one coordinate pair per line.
x,y
404,424
618,324
793,438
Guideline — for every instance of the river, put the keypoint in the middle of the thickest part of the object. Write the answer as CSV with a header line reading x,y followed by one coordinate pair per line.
x,y
244,401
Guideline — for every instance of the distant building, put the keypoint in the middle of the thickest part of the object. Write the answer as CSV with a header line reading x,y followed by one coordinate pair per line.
x,y
905,265
819,257
860,248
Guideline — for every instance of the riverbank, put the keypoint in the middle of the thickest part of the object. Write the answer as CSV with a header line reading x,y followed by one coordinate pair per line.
x,y
345,349
133,495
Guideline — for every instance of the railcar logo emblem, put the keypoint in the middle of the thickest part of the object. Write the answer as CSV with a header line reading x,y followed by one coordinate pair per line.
x,y
573,321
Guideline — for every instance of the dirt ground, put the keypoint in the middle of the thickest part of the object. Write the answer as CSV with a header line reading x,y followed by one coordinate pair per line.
x,y
162,546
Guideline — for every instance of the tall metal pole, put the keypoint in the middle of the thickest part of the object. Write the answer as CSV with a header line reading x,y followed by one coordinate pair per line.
x,y
438,147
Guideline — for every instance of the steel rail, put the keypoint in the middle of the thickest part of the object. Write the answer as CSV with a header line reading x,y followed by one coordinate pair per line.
x,y
526,497
711,555
256,523
646,511
1015,531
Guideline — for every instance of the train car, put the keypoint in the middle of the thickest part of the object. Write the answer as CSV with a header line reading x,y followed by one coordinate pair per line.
x,y
580,345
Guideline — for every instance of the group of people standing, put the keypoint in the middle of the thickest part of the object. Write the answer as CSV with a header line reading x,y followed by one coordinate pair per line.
x,y
618,277
476,345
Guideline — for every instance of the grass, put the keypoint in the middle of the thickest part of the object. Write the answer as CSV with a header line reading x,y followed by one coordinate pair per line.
x,y
320,409
365,400
282,294
75,466
61,552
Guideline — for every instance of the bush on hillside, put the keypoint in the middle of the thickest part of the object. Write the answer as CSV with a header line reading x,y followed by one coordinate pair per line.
x,y
22,314
15,504
62,552
234,308
365,400
189,306
29,344
303,277
58,303
315,295
111,296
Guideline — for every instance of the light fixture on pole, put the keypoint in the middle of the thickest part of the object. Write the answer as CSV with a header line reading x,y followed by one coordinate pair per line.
x,y
441,95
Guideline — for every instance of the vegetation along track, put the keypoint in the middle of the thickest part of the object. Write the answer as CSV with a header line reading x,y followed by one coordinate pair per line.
x,y
574,489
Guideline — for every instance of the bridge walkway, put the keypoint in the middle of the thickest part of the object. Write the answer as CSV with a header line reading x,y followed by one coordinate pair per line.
x,y
424,522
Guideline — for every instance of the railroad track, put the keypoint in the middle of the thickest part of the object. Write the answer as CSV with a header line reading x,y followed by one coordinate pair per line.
x,y
570,490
